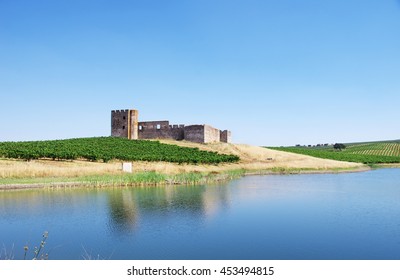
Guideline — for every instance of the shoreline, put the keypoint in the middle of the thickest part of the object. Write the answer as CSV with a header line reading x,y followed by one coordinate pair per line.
x,y
48,173
146,179
291,171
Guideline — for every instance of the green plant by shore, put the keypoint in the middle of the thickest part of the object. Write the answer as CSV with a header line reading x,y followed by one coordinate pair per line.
x,y
152,178
37,254
133,179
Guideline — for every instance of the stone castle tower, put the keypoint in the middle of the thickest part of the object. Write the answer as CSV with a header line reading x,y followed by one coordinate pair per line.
x,y
124,123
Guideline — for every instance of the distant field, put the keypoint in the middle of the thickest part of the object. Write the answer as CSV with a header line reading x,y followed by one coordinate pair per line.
x,y
109,148
368,153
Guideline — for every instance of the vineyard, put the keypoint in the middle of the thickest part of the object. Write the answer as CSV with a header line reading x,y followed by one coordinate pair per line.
x,y
368,153
110,148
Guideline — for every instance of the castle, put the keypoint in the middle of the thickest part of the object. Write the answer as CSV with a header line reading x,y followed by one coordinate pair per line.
x,y
125,123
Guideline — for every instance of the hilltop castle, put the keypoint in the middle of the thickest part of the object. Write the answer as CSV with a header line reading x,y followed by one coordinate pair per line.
x,y
125,123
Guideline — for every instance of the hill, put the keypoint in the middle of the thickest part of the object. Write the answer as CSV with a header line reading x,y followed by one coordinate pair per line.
x,y
252,160
259,159
365,152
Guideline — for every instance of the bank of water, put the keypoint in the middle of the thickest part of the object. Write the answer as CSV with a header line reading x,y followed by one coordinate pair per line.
x,y
308,216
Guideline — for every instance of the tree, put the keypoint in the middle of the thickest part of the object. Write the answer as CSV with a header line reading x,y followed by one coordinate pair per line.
x,y
339,146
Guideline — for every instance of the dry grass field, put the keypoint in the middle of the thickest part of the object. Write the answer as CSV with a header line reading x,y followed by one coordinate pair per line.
x,y
252,159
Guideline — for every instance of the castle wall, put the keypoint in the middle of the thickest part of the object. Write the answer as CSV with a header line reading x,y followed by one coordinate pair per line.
x,y
194,133
201,134
160,130
225,136
177,132
211,134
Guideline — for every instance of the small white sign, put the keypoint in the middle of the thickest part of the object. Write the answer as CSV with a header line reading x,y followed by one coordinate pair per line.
x,y
127,167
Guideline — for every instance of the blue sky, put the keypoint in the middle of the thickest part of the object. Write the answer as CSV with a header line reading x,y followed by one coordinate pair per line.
x,y
275,72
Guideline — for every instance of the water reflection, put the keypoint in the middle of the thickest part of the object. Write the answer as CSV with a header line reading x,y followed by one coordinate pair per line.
x,y
123,211
127,206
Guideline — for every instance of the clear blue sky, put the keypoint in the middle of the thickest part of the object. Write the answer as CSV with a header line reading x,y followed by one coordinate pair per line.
x,y
275,72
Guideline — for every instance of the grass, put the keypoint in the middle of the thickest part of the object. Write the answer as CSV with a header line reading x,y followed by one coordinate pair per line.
x,y
38,252
134,179
156,179
371,153
7,254
10,168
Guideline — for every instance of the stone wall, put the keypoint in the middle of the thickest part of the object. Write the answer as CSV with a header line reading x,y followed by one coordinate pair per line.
x,y
211,134
177,131
160,130
201,134
225,136
194,133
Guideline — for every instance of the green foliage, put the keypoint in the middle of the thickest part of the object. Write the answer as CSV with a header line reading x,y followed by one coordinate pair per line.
x,y
368,153
130,179
109,148
339,146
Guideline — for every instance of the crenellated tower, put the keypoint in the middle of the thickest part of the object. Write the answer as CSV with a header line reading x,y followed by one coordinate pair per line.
x,y
124,123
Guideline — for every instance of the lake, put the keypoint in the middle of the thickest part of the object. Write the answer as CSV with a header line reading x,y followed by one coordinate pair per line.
x,y
315,216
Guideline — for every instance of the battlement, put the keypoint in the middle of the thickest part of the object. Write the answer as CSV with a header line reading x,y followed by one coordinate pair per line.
x,y
175,126
119,111
124,123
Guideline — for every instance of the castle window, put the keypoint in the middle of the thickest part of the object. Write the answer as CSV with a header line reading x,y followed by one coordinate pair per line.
x,y
123,118
158,126
140,127
123,127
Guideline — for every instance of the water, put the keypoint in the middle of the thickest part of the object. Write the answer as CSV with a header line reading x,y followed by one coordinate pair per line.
x,y
327,216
